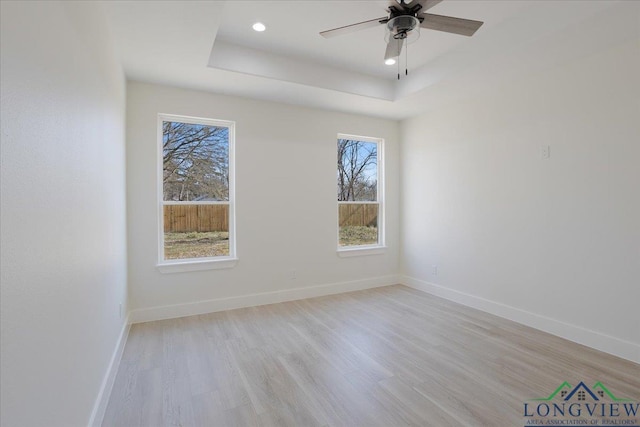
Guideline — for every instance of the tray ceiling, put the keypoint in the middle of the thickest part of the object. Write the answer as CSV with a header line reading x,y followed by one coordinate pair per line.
x,y
210,45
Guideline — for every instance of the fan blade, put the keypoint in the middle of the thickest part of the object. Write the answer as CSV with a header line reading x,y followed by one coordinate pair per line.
x,y
448,24
352,28
426,4
394,47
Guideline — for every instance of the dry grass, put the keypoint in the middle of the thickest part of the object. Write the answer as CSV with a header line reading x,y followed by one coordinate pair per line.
x,y
216,243
357,235
196,244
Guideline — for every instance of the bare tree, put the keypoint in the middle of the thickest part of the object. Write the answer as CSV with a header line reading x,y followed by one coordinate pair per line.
x,y
195,162
357,170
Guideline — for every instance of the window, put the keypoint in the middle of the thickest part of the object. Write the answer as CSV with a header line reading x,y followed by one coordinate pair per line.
x,y
196,190
360,198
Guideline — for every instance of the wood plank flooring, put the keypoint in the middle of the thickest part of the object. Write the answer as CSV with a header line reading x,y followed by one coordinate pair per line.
x,y
390,356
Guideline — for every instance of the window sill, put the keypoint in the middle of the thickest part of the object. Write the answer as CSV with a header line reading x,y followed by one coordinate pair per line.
x,y
361,251
199,265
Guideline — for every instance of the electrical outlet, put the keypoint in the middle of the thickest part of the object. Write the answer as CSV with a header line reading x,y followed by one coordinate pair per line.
x,y
545,152
293,274
434,270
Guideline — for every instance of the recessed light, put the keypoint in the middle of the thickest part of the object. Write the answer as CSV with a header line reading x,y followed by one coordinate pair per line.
x,y
259,27
390,61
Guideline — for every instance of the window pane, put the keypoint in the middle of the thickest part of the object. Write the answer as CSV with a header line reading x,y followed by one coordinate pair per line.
x,y
195,162
358,224
196,231
357,170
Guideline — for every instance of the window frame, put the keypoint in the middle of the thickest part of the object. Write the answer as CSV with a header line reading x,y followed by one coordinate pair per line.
x,y
380,246
204,263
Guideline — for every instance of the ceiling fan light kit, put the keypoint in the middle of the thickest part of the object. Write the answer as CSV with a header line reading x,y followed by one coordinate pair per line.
x,y
403,26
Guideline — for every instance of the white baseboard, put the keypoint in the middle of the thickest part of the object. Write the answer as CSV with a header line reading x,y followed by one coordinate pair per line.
x,y
252,300
608,344
109,379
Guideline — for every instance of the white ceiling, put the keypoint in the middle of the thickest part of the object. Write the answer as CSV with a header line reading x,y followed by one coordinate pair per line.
x,y
209,45
294,27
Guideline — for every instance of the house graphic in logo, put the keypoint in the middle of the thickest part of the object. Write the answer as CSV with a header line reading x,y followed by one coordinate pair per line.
x,y
582,391
603,390
581,402
567,392
564,388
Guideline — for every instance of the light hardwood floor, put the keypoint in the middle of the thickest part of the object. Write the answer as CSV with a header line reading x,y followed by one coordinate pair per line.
x,y
390,356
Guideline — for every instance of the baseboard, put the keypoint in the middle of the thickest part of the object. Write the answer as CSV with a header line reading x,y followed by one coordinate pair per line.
x,y
608,344
252,300
109,379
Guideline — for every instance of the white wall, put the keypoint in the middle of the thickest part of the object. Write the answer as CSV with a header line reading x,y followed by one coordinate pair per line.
x,y
63,211
552,243
286,202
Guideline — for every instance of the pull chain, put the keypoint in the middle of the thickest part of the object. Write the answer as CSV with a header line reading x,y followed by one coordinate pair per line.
x,y
399,48
406,59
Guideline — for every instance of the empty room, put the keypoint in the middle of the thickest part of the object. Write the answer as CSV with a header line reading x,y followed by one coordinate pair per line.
x,y
320,213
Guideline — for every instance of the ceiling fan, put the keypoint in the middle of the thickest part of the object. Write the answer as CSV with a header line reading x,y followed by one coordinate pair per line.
x,y
404,18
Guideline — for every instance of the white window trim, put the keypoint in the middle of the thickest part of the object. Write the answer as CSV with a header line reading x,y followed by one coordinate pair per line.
x,y
196,264
380,247
351,251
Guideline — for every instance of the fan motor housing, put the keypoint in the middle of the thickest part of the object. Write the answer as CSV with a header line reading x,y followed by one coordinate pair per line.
x,y
399,26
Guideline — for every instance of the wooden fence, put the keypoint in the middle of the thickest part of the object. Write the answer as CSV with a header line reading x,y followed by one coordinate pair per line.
x,y
353,214
189,218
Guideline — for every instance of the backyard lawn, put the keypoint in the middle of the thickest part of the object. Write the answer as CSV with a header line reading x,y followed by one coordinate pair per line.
x,y
196,244
356,235
216,243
